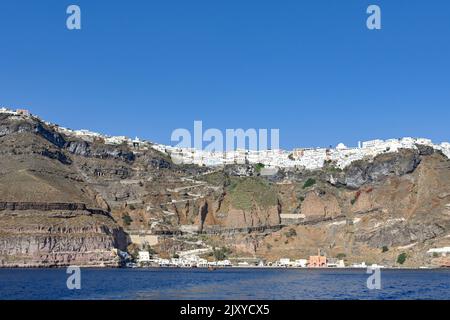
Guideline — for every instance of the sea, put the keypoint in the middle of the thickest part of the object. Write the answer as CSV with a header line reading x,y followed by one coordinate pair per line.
x,y
223,284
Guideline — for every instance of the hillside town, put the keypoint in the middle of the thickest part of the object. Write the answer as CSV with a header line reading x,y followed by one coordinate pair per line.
x,y
300,158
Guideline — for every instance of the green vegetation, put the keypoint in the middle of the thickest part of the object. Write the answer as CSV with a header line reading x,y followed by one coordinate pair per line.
x,y
127,219
259,167
341,256
176,256
401,258
384,249
333,169
131,207
150,250
192,238
221,254
291,157
248,191
216,178
330,167
353,201
309,183
291,233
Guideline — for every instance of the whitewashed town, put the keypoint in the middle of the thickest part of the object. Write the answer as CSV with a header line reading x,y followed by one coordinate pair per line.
x,y
308,158
190,259
302,158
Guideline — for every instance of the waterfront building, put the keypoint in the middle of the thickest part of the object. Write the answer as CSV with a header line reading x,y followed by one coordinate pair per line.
x,y
359,265
335,263
300,263
224,263
143,256
202,263
284,262
243,264
318,261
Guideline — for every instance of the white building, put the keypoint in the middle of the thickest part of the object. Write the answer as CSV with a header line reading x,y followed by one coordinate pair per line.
x,y
308,158
143,256
341,146
301,263
359,265
284,262
336,264
371,143
305,158
224,263
116,140
442,251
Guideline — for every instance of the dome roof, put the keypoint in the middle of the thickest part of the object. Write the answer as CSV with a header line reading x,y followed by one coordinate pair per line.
x,y
341,146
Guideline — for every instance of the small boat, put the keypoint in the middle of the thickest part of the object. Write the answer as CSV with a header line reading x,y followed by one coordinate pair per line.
x,y
211,268
131,265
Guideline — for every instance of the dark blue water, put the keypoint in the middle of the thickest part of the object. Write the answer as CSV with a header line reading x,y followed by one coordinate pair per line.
x,y
223,284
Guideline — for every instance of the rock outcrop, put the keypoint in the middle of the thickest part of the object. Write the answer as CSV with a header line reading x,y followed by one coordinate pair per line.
x,y
399,163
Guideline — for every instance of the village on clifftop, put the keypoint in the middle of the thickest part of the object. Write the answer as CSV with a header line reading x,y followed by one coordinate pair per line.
x,y
300,158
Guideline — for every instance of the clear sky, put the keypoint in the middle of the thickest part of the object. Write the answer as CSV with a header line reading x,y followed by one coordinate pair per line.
x,y
310,68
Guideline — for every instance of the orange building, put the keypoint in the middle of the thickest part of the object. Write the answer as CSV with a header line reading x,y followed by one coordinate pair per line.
x,y
318,261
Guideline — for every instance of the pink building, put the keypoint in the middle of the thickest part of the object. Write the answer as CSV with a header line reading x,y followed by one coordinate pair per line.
x,y
318,261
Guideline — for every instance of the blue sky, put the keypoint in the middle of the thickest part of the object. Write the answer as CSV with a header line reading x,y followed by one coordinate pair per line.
x,y
310,68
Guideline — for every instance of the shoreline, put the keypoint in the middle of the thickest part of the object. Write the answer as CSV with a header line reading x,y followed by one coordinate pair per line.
x,y
221,268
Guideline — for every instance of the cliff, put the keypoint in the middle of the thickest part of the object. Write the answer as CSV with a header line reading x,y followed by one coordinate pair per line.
x,y
49,215
69,200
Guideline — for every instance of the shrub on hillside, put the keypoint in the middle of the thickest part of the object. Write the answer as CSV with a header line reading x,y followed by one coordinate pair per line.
x,y
401,258
309,183
127,219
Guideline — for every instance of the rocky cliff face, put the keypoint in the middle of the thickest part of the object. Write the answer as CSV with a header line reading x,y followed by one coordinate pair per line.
x,y
399,203
64,200
49,215
385,165
36,238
